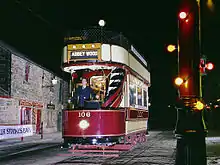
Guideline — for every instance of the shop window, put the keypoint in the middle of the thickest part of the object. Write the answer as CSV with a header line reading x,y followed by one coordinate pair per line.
x,y
26,115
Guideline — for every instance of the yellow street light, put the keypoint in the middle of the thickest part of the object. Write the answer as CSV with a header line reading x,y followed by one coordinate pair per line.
x,y
171,48
199,105
210,5
178,81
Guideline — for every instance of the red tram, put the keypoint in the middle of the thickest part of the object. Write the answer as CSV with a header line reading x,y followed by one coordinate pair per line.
x,y
118,74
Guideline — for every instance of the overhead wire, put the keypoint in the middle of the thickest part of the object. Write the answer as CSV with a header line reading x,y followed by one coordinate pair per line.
x,y
57,28
40,17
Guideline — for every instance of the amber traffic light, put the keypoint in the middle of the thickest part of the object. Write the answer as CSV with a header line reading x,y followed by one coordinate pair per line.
x,y
199,105
171,48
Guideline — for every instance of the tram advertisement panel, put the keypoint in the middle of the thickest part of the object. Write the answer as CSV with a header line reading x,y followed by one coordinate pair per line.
x,y
79,52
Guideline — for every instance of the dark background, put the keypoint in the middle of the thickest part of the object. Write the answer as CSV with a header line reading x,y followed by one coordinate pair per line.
x,y
36,28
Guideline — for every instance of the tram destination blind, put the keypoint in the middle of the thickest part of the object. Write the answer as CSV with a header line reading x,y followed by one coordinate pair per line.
x,y
84,55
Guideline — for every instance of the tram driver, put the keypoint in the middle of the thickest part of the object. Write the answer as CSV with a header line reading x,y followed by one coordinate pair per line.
x,y
84,92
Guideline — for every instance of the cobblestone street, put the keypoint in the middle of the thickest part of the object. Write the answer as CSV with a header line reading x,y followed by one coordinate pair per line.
x,y
159,149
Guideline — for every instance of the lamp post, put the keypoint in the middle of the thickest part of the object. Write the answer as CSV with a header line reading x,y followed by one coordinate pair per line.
x,y
190,127
102,24
172,48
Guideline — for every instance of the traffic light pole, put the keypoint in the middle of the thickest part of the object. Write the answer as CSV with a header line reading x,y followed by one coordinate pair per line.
x,y
190,128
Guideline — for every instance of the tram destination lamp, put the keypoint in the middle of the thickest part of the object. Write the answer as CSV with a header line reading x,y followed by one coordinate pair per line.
x,y
102,24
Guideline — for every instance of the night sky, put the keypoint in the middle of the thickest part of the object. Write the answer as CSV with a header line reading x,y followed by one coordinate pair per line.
x,y
36,28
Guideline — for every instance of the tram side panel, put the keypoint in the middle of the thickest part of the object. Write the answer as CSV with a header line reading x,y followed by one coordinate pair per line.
x,y
136,121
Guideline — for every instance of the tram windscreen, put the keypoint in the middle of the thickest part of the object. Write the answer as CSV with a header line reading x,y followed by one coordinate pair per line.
x,y
105,88
98,84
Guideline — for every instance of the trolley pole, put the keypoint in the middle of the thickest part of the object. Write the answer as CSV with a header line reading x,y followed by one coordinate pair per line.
x,y
190,127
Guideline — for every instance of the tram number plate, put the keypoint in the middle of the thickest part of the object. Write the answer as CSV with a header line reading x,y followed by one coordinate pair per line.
x,y
84,114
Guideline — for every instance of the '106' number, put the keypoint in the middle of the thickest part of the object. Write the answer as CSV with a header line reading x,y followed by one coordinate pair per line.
x,y
84,114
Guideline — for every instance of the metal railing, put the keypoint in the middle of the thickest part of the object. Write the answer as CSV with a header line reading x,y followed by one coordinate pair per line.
x,y
94,35
100,35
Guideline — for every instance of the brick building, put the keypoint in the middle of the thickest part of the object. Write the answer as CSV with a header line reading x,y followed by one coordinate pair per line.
x,y
27,94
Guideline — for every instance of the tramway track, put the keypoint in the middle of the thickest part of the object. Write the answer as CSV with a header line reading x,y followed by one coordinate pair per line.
x,y
124,157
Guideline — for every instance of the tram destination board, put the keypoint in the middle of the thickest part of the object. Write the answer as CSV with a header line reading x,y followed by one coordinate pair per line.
x,y
5,72
84,54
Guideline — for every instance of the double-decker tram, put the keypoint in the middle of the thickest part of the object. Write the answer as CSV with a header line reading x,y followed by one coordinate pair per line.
x,y
109,90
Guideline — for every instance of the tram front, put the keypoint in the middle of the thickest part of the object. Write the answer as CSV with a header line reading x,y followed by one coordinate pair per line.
x,y
96,94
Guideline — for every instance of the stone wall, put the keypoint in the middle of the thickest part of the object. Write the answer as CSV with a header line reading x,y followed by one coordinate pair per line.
x,y
8,111
32,84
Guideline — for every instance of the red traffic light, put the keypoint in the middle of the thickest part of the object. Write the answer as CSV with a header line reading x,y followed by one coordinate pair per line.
x,y
182,15
209,66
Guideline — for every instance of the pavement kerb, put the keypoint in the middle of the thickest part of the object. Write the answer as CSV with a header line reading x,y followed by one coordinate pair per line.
x,y
29,151
32,142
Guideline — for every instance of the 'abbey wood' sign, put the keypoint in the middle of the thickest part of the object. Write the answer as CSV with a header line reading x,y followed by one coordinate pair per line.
x,y
84,54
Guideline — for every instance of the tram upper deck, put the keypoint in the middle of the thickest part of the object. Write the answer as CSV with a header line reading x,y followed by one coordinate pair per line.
x,y
99,49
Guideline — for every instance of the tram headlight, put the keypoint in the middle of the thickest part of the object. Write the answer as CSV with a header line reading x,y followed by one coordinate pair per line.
x,y
83,124
94,141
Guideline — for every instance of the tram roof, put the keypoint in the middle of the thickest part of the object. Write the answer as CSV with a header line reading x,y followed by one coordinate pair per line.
x,y
99,35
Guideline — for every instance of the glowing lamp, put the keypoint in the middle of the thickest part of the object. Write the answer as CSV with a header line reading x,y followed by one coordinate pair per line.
x,y
199,105
178,81
101,23
209,66
83,124
210,4
54,81
182,15
171,48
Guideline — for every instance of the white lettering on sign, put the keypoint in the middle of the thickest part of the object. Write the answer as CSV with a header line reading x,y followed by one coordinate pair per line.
x,y
15,131
140,114
84,114
138,55
84,53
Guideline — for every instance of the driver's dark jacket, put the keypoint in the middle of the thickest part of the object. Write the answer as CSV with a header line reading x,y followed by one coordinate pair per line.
x,y
84,94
